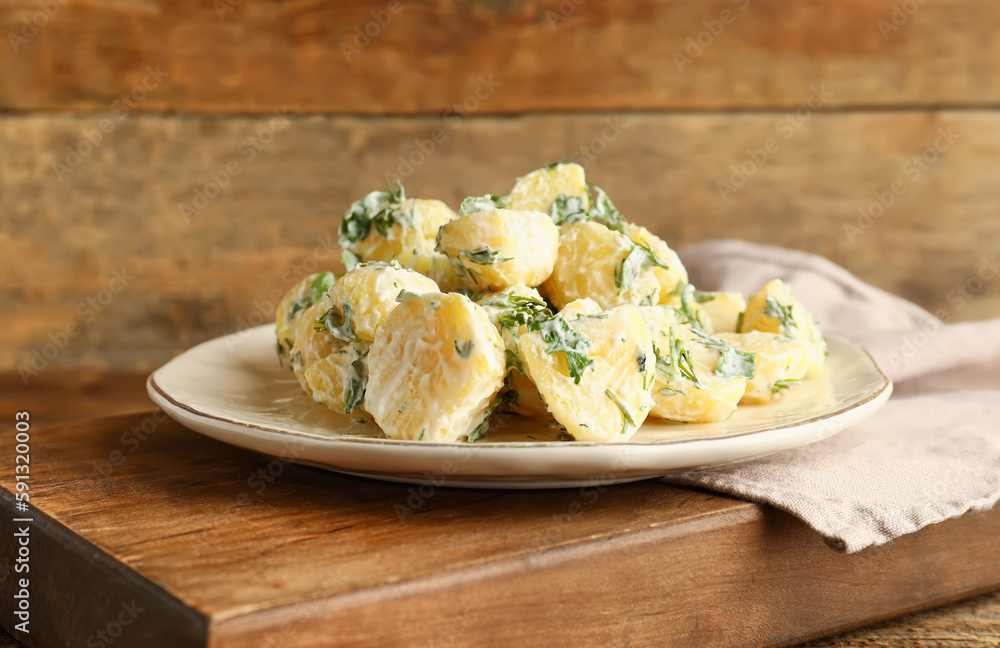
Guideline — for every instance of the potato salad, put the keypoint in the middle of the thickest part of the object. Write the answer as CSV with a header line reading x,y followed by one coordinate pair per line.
x,y
543,301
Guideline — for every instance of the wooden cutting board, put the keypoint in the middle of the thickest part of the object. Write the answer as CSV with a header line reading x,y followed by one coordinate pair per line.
x,y
147,534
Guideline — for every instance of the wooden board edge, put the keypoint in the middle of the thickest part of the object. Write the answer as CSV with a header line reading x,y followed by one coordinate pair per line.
x,y
924,605
761,536
71,580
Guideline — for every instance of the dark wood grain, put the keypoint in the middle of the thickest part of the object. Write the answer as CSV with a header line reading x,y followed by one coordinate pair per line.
x,y
61,396
313,555
233,56
118,211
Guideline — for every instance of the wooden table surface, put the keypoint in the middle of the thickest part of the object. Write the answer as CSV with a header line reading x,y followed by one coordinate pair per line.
x,y
56,397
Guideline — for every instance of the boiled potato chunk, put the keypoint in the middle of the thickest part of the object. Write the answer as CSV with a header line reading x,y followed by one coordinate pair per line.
x,y
674,274
370,291
295,302
539,189
384,225
601,264
433,369
528,401
339,380
774,309
723,310
687,387
495,249
780,362
409,227
312,342
612,397
578,307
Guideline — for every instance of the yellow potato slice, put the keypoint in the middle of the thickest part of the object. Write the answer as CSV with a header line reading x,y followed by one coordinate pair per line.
x,y
497,248
539,189
723,310
527,401
780,362
578,307
601,264
312,342
391,227
674,274
774,309
612,397
687,387
370,291
434,368
295,302
339,380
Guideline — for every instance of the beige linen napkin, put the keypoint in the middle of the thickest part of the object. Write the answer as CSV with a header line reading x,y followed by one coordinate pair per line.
x,y
930,454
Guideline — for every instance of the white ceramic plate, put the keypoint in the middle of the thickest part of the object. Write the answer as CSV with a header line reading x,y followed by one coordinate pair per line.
x,y
233,389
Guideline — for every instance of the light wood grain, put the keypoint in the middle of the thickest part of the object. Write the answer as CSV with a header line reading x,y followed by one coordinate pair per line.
x,y
233,56
313,555
276,220
969,624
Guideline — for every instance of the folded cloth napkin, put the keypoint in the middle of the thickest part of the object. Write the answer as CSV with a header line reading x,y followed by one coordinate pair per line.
x,y
930,454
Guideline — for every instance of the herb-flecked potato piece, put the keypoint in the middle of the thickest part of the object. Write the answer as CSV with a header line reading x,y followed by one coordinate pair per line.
x,y
296,301
385,225
525,399
699,379
538,190
312,342
670,272
578,307
498,248
602,264
339,380
594,372
435,366
365,295
722,309
774,309
780,362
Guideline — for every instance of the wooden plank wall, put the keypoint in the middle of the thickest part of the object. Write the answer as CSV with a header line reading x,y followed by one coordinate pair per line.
x,y
280,103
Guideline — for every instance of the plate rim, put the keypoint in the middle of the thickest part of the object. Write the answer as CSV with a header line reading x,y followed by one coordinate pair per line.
x,y
161,398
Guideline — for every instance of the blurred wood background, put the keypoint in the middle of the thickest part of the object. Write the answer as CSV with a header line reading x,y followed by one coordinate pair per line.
x,y
110,256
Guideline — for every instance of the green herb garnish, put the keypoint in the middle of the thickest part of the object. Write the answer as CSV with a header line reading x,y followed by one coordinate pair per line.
x,y
357,383
483,255
379,209
780,386
603,209
463,348
338,325
782,313
732,363
504,399
297,306
319,286
677,362
693,320
558,334
567,209
627,420
489,202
